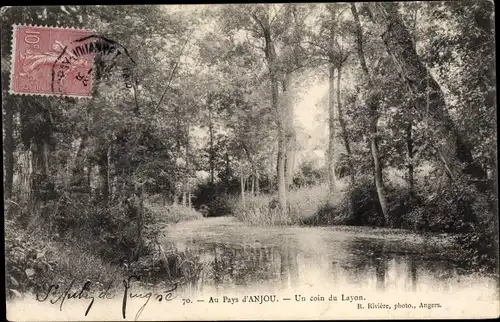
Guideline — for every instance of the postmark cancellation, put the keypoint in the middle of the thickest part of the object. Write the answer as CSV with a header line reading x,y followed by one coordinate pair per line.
x,y
51,61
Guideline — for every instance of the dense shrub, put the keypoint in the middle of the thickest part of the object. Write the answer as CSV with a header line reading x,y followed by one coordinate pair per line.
x,y
360,205
328,214
342,166
85,239
456,208
450,210
307,175
33,261
214,199
479,243
23,260
220,205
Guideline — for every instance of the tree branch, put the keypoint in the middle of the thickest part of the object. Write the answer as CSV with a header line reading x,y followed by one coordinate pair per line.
x,y
359,42
255,46
276,14
254,16
176,64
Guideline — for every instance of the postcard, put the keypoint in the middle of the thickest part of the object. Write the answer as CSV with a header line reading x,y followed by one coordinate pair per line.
x,y
282,161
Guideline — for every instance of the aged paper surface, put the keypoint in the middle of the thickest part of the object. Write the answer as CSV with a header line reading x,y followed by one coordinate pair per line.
x,y
250,162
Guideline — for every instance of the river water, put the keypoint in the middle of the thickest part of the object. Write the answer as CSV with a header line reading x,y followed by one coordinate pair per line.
x,y
228,270
233,257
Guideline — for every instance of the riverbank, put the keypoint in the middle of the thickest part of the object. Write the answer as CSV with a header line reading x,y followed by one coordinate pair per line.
x,y
432,207
39,253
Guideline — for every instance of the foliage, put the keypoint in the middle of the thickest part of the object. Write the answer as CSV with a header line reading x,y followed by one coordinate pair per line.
x,y
463,55
361,204
307,175
33,262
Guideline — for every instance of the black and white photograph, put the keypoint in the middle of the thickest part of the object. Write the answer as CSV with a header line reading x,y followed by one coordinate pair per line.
x,y
260,161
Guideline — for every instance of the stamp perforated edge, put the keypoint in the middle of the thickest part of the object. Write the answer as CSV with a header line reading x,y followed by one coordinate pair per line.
x,y
15,27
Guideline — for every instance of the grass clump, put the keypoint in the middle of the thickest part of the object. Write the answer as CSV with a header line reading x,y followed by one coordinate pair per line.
x,y
173,213
303,206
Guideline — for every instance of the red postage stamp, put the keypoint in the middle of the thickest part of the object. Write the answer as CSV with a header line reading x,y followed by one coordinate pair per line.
x,y
51,61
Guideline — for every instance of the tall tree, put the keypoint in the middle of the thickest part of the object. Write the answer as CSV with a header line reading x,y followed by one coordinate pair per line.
x,y
8,144
331,128
268,23
262,18
293,59
450,144
325,46
372,102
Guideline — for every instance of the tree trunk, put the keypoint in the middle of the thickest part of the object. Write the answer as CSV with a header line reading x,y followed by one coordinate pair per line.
x,y
270,53
290,135
242,185
41,182
409,151
379,183
9,147
228,172
449,143
185,180
373,104
331,130
339,78
108,170
253,185
75,171
343,128
291,165
281,173
76,175
281,131
139,222
257,187
178,190
359,40
89,175
103,177
409,128
45,152
211,133
25,172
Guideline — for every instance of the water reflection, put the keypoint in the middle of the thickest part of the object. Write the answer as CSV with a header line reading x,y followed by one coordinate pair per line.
x,y
293,259
280,267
